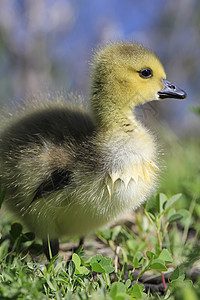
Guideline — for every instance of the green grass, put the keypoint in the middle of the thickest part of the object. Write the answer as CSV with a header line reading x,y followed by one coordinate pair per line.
x,y
160,241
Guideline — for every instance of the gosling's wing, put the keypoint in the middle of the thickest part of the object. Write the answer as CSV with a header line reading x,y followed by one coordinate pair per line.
x,y
44,141
56,181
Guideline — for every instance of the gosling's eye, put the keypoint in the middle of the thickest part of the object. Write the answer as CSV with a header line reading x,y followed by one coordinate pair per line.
x,y
146,73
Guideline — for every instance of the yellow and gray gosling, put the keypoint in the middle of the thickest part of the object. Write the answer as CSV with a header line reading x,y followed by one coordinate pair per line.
x,y
70,172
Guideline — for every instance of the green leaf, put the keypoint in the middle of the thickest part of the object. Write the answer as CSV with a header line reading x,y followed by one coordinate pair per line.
x,y
16,230
177,275
136,291
116,230
71,268
132,244
166,256
123,296
102,264
172,200
96,258
27,237
158,264
36,248
96,267
50,284
4,249
125,258
158,251
138,255
162,201
197,209
185,213
82,270
108,269
171,212
136,262
76,259
137,259
106,233
152,216
79,269
175,218
128,283
153,205
150,255
144,262
116,288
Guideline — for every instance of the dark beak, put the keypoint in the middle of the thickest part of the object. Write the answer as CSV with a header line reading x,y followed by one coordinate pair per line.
x,y
171,91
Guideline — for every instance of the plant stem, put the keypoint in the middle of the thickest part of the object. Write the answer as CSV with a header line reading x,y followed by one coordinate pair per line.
x,y
187,223
163,281
158,223
150,220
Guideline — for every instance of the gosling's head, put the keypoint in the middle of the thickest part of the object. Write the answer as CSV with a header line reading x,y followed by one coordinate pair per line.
x,y
126,75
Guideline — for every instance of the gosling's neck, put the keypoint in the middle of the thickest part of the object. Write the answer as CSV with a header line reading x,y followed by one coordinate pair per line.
x,y
119,129
110,115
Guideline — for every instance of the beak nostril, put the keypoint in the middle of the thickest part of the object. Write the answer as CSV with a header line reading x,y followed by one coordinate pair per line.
x,y
171,86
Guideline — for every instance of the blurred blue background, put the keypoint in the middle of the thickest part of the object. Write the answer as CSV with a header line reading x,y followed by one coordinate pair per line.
x,y
48,44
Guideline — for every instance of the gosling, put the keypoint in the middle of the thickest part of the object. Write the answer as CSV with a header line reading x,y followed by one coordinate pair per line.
x,y
69,172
